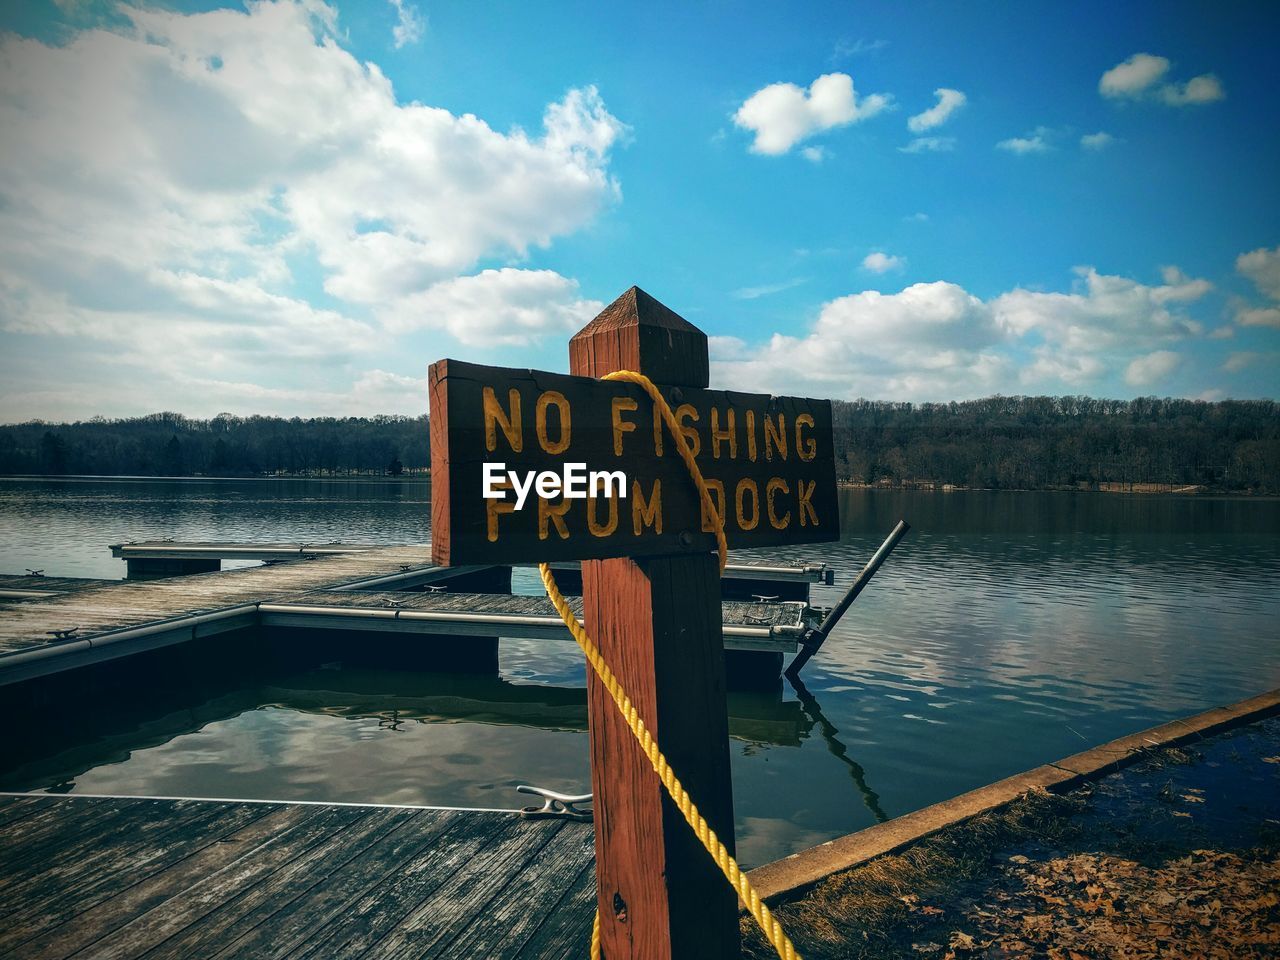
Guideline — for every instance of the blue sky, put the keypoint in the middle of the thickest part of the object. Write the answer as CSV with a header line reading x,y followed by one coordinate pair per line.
x,y
295,208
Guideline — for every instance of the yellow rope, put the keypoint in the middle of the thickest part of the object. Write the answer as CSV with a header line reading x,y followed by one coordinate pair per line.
x,y
728,865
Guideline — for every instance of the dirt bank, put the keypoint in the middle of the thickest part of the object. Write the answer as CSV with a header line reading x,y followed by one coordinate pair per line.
x,y
1176,856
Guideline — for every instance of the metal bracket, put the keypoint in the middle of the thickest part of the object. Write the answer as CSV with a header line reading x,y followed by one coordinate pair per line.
x,y
554,805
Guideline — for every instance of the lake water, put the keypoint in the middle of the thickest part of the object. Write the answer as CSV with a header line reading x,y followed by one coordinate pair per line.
x,y
1007,630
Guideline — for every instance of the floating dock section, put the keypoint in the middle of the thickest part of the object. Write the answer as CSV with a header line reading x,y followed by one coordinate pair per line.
x,y
50,625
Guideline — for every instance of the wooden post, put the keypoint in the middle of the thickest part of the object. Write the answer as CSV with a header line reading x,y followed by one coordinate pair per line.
x,y
657,621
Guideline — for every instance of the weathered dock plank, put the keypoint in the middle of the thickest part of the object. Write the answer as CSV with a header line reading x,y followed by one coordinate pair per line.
x,y
739,567
363,874
160,835
39,586
564,929
508,922
123,604
204,879
75,926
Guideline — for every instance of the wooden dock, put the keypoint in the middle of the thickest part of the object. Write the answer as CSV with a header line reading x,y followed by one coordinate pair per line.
x,y
168,557
39,586
165,878
74,624
43,636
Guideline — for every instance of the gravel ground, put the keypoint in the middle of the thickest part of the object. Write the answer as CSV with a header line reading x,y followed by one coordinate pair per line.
x,y
1176,856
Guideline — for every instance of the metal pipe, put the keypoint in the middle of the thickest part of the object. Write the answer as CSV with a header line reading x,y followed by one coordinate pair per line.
x,y
488,619
26,664
819,636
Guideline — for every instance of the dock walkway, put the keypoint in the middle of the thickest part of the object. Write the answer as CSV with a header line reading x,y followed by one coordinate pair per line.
x,y
39,586
76,624
127,603
127,877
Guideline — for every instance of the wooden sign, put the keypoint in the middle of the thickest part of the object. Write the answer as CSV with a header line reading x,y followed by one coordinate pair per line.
x,y
579,468
650,581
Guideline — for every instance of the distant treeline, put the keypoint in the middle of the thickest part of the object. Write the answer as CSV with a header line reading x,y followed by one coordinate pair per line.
x,y
999,442
169,444
1036,443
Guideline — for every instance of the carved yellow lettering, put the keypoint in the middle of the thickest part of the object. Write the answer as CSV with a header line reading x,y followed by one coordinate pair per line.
x,y
747,485
717,494
774,485
657,431
728,433
597,528
495,416
775,436
621,426
492,509
806,447
806,505
683,412
554,513
547,399
646,513
751,435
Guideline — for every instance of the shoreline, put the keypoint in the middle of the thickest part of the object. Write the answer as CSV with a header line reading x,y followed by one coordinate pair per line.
x,y
916,486
1175,854
792,876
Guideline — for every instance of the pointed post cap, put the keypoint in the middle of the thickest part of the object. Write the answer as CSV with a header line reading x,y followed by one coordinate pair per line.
x,y
636,332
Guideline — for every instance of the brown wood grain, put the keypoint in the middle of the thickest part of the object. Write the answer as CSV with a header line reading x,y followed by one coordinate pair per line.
x,y
222,880
657,622
441,488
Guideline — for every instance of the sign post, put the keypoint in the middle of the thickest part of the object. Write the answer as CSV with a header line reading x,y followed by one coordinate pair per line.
x,y
651,590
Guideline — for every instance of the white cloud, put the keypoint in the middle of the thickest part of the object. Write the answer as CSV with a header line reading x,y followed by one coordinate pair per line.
x,y
917,218
1140,76
1104,312
1205,88
1240,360
1148,370
1034,142
949,101
880,262
1262,266
506,306
1097,141
187,185
410,24
936,341
931,339
929,145
1134,76
814,154
1259,317
783,114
